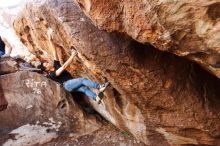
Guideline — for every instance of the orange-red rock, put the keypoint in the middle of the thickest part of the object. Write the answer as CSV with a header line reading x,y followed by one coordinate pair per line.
x,y
186,28
160,98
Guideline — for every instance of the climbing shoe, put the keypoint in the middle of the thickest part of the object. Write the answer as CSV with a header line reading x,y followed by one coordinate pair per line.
x,y
102,87
99,97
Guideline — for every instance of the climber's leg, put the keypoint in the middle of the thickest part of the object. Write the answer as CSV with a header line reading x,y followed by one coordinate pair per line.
x,y
72,84
87,91
90,83
95,85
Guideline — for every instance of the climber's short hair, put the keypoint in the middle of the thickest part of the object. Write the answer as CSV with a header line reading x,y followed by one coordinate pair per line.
x,y
41,66
46,66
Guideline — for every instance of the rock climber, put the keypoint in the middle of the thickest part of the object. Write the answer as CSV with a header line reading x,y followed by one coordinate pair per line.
x,y
5,47
61,75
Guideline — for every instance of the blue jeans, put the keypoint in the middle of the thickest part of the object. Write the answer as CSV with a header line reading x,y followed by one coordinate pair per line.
x,y
1,53
81,85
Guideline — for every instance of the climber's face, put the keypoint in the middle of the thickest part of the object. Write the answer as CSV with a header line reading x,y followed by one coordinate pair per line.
x,y
48,66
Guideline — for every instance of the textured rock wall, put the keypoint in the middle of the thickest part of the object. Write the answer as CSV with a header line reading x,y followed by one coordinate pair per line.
x,y
187,28
159,98
39,110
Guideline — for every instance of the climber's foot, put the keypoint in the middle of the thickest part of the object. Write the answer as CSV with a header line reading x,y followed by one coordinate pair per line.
x,y
99,97
102,87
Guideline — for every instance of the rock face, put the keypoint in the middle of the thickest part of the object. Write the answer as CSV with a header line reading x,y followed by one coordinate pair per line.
x,y
8,66
39,110
186,28
3,102
159,98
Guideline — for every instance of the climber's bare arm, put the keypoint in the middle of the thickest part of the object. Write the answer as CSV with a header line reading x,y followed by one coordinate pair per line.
x,y
8,46
66,64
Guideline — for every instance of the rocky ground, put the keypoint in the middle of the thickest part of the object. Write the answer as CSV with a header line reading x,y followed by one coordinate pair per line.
x,y
107,135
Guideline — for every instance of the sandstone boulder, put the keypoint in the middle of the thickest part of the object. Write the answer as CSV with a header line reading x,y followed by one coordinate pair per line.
x,y
8,66
186,28
159,98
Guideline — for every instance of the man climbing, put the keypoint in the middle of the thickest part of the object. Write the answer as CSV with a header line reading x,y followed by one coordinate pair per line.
x,y
59,74
5,47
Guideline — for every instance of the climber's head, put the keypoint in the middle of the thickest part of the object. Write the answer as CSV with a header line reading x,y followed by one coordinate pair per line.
x,y
48,66
45,66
